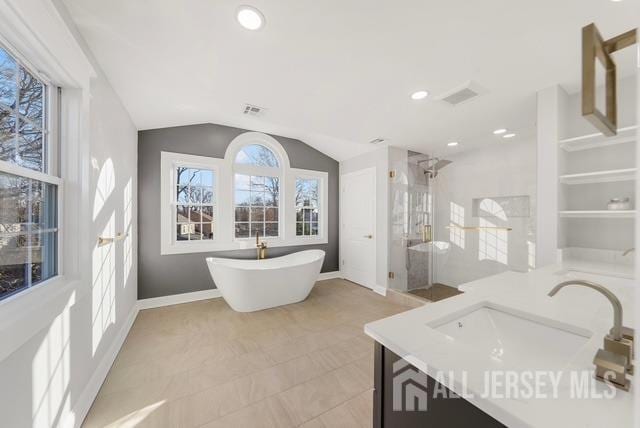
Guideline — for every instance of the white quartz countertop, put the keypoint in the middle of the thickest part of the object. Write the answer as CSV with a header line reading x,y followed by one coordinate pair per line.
x,y
412,336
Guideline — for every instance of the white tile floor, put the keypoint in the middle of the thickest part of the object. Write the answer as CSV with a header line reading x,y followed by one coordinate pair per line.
x,y
202,364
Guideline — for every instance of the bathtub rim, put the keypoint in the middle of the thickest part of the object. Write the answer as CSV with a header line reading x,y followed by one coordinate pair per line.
x,y
253,264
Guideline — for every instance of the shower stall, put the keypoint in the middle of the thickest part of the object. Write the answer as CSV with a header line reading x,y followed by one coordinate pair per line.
x,y
415,253
444,231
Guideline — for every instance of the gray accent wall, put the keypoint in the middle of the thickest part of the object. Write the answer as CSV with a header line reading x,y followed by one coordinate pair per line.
x,y
175,274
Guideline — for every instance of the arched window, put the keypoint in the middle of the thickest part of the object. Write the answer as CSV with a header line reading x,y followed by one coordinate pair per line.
x,y
219,204
258,178
257,155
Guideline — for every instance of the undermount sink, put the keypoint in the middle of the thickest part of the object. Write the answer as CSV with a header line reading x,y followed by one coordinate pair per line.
x,y
516,338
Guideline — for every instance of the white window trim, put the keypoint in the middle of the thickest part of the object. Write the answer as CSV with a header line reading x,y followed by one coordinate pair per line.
x,y
170,163
53,49
51,146
323,199
224,226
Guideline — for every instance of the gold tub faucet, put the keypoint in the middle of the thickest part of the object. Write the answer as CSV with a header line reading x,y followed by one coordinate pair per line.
x,y
261,247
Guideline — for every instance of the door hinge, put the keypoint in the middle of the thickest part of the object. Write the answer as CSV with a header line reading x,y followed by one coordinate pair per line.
x,y
392,275
392,174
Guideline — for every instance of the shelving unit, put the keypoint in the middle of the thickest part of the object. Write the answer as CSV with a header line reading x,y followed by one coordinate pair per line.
x,y
580,171
592,141
614,175
597,214
592,170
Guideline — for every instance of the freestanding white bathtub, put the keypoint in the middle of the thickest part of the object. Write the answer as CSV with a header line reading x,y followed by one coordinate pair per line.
x,y
252,285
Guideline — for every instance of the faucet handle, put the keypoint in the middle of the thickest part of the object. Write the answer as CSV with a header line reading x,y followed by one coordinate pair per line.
x,y
623,347
613,368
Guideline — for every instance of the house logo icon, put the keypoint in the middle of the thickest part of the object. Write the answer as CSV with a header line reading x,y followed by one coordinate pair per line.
x,y
409,388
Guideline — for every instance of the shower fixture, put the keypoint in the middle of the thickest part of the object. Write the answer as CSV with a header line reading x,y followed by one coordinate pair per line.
x,y
433,166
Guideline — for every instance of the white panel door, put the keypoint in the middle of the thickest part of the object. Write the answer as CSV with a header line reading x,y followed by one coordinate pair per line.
x,y
358,212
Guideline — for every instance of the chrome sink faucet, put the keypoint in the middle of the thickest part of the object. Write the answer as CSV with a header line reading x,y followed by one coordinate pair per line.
x,y
615,361
629,251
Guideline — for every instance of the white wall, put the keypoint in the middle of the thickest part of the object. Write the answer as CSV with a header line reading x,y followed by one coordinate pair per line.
x,y
378,159
65,346
551,125
499,170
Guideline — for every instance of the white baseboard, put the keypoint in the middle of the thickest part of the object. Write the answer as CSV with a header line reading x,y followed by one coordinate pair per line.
x,y
176,299
380,290
90,392
329,275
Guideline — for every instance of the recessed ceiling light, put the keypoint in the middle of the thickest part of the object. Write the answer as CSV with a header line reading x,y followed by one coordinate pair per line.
x,y
452,144
499,131
508,135
250,17
419,95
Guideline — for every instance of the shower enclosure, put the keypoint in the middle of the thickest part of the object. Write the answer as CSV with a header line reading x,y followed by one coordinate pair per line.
x,y
445,232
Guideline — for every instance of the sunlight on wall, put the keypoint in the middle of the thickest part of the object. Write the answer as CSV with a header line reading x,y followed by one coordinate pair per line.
x,y
127,245
493,209
50,370
493,244
104,286
456,217
531,250
104,188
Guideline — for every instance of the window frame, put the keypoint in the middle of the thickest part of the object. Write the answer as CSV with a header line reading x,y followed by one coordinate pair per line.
x,y
51,174
170,163
258,171
224,239
323,199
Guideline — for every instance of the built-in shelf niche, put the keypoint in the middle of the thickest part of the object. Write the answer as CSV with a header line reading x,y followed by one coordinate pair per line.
x,y
504,207
592,170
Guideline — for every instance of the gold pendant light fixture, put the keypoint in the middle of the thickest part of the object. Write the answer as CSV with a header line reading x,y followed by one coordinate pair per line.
x,y
594,48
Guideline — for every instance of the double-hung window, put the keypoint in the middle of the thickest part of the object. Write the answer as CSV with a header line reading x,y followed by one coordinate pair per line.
x,y
29,184
307,206
190,217
195,204
257,192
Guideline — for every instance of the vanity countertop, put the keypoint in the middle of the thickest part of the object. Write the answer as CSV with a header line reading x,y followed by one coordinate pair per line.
x,y
413,336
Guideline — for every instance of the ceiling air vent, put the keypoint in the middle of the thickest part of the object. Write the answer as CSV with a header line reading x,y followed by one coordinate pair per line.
x,y
251,110
377,141
462,94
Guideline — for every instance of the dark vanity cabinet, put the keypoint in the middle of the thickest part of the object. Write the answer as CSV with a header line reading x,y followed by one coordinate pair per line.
x,y
410,412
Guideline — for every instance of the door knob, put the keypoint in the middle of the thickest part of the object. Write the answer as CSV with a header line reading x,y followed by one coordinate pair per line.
x,y
368,236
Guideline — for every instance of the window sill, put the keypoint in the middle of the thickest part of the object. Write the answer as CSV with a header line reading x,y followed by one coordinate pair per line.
x,y
244,244
25,314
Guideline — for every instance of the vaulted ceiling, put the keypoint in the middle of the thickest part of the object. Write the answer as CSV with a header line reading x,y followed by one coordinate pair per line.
x,y
338,73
